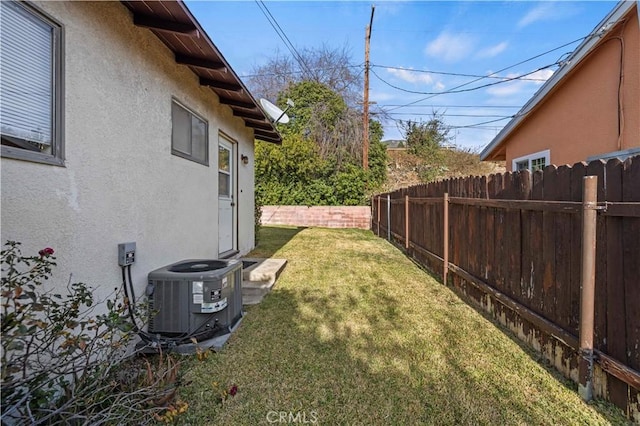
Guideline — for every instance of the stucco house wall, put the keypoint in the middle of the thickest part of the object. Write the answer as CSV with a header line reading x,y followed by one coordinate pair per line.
x,y
120,182
578,119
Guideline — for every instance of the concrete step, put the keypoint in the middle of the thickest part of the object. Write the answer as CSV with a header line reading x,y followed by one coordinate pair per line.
x,y
262,269
257,285
259,277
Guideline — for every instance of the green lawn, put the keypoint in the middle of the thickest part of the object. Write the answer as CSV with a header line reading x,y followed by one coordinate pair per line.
x,y
355,333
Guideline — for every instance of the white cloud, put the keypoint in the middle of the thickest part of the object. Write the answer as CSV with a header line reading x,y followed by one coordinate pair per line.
x,y
439,86
541,12
450,47
381,96
508,89
411,76
517,87
541,75
493,51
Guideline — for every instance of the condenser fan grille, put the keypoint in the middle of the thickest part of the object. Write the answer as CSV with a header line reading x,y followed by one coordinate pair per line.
x,y
199,266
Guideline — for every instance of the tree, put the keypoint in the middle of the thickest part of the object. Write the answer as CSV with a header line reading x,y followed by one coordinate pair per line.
x,y
317,106
377,155
320,159
327,66
322,116
425,140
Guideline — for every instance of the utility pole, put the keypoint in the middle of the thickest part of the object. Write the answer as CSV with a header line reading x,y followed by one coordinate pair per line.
x,y
365,104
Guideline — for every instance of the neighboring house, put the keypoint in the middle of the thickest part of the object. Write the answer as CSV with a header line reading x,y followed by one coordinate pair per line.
x,y
395,143
588,109
122,122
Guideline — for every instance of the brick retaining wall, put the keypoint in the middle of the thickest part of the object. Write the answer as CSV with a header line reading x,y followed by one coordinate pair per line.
x,y
321,216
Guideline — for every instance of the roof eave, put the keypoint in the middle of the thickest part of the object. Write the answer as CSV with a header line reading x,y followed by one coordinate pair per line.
x,y
230,90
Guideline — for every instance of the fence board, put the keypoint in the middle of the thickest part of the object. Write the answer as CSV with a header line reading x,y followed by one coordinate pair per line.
x,y
602,292
537,265
548,246
578,172
563,250
481,246
499,250
473,248
454,240
519,236
631,255
614,305
521,191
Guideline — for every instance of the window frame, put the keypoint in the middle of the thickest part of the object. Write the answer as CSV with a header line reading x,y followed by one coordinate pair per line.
x,y
546,155
192,114
56,157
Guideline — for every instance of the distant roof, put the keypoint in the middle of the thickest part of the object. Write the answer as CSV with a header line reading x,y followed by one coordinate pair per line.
x,y
393,143
580,53
172,22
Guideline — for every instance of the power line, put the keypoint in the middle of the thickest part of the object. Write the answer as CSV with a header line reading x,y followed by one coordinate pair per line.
x,y
482,123
467,126
455,74
455,106
271,74
457,88
450,115
283,36
470,127
499,71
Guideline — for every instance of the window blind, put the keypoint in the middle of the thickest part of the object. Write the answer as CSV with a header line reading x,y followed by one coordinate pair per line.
x,y
26,65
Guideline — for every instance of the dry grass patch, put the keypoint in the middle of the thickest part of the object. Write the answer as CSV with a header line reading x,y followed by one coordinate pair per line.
x,y
355,333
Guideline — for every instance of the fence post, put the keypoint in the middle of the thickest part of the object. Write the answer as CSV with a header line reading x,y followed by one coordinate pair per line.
x,y
406,221
373,199
445,251
378,215
388,217
587,286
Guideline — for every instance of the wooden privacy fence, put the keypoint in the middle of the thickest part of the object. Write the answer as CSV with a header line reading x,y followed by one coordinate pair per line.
x,y
513,244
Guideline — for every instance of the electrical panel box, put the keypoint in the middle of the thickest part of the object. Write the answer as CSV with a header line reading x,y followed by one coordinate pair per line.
x,y
126,253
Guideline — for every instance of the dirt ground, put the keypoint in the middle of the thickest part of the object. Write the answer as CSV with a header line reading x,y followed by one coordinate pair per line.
x,y
403,167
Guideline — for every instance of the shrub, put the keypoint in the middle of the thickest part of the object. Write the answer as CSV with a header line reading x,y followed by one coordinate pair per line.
x,y
61,364
257,218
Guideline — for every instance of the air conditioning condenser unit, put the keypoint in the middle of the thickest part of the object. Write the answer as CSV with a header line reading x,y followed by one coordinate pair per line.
x,y
195,298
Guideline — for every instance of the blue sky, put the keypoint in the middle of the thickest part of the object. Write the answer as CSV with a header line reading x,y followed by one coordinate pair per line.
x,y
410,38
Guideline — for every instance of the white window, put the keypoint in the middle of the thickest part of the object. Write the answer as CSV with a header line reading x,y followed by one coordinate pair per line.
x,y
31,84
189,135
533,162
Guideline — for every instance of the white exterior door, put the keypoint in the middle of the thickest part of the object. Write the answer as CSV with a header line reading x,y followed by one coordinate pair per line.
x,y
226,196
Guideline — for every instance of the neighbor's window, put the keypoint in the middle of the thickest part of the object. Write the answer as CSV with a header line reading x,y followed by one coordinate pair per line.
x,y
31,84
189,135
533,162
538,163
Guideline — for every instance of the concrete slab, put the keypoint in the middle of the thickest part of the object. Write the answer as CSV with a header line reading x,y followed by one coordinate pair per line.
x,y
259,278
252,299
215,343
263,269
